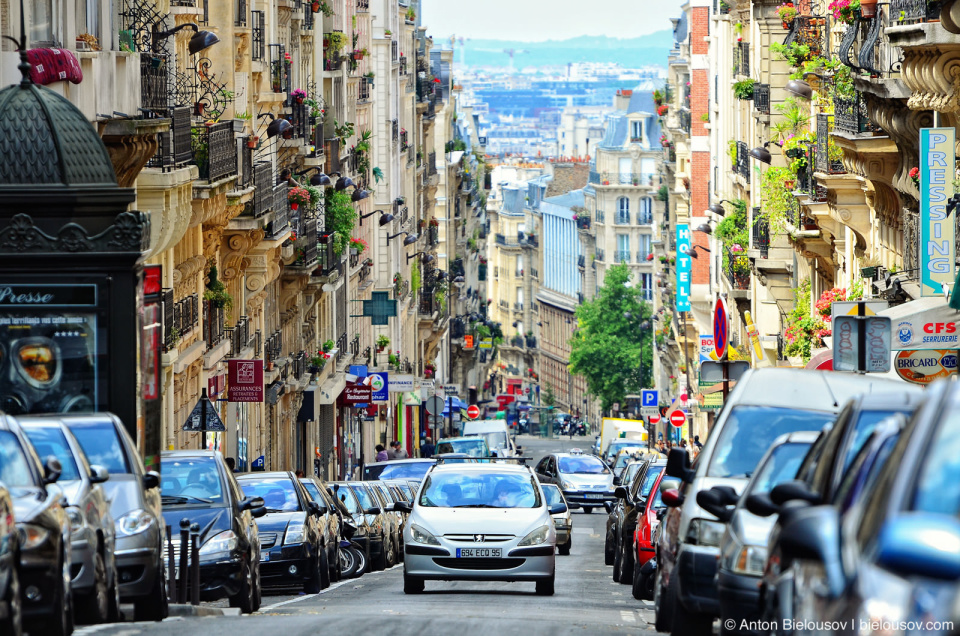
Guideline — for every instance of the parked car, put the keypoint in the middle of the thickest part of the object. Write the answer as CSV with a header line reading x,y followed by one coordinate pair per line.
x,y
584,479
469,446
891,557
134,496
367,514
293,549
645,538
765,404
499,438
743,547
94,579
11,602
622,521
409,492
331,521
393,520
365,533
398,469
614,447
562,521
199,486
46,599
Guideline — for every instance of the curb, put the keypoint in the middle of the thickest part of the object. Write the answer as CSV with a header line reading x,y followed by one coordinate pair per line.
x,y
199,611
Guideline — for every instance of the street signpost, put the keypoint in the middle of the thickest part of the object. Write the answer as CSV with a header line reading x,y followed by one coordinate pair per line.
x,y
678,419
434,405
204,417
473,412
861,342
720,330
648,402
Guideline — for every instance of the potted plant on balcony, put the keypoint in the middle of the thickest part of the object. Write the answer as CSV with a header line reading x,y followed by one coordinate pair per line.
x,y
298,95
393,361
787,13
357,245
382,342
662,109
216,292
429,370
743,89
914,175
298,197
317,363
411,15
397,283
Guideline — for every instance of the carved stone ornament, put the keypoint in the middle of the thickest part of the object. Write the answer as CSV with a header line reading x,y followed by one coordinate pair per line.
x,y
130,232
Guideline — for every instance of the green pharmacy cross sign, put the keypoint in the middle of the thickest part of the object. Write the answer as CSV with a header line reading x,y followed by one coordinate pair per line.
x,y
380,308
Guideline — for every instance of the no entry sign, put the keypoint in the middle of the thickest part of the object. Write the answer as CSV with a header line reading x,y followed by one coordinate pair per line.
x,y
654,419
678,419
720,330
473,412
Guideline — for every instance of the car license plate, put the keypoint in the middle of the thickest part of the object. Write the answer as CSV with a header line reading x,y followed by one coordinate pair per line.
x,y
594,495
264,556
479,553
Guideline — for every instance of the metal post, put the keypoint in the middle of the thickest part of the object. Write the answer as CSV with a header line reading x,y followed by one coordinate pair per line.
x,y
184,560
449,416
686,356
195,564
171,568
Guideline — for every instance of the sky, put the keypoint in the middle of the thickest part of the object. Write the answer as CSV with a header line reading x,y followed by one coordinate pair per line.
x,y
539,20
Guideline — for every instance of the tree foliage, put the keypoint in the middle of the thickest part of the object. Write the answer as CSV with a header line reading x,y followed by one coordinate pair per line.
x,y
548,396
606,348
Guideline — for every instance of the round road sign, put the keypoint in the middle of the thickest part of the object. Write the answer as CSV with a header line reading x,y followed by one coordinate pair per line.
x,y
720,330
473,412
434,405
654,419
677,419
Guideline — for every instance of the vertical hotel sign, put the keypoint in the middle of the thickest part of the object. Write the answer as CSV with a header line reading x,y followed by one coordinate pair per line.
x,y
937,232
684,265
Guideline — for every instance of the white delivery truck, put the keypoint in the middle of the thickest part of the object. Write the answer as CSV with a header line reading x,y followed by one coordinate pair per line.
x,y
629,432
497,435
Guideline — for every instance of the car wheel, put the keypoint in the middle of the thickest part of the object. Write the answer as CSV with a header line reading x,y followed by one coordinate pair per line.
x,y
565,548
617,562
608,550
314,582
324,569
61,623
95,607
335,570
154,606
257,589
626,564
545,587
663,602
380,563
13,622
415,585
587,510
391,556
244,598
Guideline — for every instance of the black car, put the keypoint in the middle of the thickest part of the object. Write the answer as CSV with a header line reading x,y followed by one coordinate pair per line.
x,y
293,548
331,521
199,486
398,469
44,529
622,521
369,520
11,607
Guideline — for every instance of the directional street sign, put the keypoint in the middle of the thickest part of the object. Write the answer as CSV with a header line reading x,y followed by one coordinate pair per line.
x,y
204,417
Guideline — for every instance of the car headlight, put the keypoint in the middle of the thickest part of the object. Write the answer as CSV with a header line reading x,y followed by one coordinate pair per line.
x,y
536,537
76,519
133,523
294,534
566,485
224,542
31,536
704,532
750,560
419,535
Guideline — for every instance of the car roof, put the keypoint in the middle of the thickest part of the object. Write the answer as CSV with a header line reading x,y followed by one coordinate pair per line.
x,y
188,453
493,467
898,400
271,475
422,460
797,437
806,389
558,455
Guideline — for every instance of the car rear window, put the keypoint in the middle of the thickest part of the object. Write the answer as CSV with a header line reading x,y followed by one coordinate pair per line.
x,y
101,445
936,487
279,493
51,441
583,465
866,424
650,479
14,469
782,465
552,495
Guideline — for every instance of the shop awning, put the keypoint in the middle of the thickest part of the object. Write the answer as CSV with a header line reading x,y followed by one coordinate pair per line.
x,y
925,323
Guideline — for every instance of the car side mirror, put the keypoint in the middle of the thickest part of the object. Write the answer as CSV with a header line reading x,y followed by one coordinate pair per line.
x,y
519,450
258,512
792,490
389,507
678,465
672,498
314,508
51,469
760,505
151,480
621,493
715,501
913,544
252,504
616,481
608,506
558,508
660,513
403,506
371,511
813,533
573,506
98,474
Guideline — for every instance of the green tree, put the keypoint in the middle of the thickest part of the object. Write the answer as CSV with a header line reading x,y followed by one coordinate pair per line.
x,y
607,345
548,397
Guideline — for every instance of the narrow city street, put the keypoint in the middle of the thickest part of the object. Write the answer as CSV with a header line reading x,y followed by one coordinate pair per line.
x,y
587,601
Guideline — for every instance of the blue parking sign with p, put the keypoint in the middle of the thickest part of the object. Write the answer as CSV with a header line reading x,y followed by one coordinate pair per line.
x,y
649,397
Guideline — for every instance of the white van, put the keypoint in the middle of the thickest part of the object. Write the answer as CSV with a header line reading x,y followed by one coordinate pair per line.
x,y
497,434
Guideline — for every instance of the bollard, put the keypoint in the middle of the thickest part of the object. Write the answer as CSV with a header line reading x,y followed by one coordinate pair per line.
x,y
184,555
171,568
195,564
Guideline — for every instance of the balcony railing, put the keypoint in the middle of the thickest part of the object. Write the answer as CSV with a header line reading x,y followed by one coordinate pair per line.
x,y
213,324
263,182
851,116
403,141
363,5
215,151
363,90
431,163
301,120
583,222
643,179
258,48
644,218
279,69
761,234
824,163
743,161
582,261
241,19
913,11
809,30
686,121
175,149
741,59
600,255
306,244
599,216
761,98
153,82
621,256
428,304
622,218
736,268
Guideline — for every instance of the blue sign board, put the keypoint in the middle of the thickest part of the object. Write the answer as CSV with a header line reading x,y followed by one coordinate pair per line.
x,y
380,386
649,397
684,267
938,251
258,463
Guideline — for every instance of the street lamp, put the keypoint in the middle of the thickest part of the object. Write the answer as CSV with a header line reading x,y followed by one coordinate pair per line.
x,y
409,240
424,257
761,154
385,217
693,250
316,180
201,39
277,126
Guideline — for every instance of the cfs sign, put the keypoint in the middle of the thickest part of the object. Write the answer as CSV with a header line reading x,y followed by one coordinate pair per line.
x,y
940,327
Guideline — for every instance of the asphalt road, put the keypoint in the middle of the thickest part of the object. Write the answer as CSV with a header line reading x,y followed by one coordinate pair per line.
x,y
587,601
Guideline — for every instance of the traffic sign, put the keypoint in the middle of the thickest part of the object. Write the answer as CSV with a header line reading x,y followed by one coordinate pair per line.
x,y
434,405
204,417
720,328
861,343
473,412
649,397
655,419
678,419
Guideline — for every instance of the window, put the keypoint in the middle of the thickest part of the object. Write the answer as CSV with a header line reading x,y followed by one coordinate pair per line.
x,y
623,249
644,251
626,170
519,266
636,131
519,297
646,286
645,215
623,211
42,20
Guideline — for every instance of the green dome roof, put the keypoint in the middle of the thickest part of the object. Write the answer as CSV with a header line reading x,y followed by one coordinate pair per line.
x,y
46,140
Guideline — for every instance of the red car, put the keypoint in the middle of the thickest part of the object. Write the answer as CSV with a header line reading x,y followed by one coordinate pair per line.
x,y
644,541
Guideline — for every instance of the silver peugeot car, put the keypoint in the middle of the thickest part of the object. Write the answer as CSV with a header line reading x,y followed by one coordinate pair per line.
x,y
480,522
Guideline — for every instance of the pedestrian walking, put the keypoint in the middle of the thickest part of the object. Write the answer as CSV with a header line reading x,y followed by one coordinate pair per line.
x,y
299,474
396,452
696,442
381,454
428,449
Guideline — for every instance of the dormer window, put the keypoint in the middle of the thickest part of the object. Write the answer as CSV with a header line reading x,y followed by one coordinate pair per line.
x,y
636,131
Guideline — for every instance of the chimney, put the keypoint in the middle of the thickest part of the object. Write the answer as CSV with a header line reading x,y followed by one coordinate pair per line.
x,y
622,100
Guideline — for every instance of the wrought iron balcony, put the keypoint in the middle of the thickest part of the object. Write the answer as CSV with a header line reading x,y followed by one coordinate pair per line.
x,y
153,82
403,141
743,161
175,149
851,116
301,120
685,120
279,69
599,216
811,31
741,59
913,11
644,218
258,44
824,163
213,324
761,98
363,89
736,267
583,222
622,218
760,234
263,182
582,261
215,151
642,179
363,6
621,256
306,244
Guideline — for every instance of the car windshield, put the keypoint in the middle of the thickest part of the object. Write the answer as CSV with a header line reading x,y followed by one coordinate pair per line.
x,y
365,497
750,430
649,480
936,488
101,445
866,424
583,465
188,480
615,447
279,493
630,472
313,491
552,494
782,465
51,441
14,469
495,439
480,490
476,447
345,494
397,470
